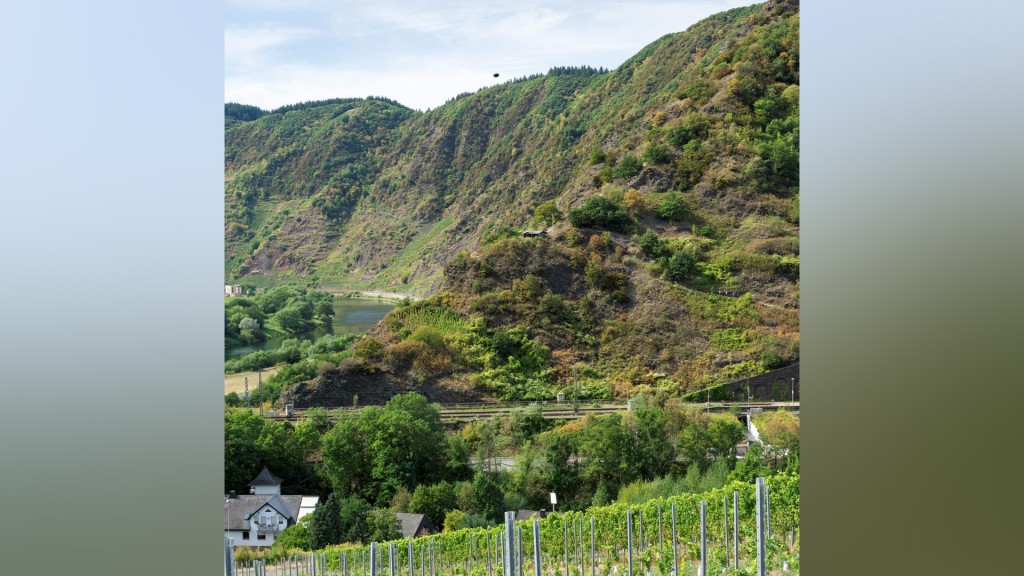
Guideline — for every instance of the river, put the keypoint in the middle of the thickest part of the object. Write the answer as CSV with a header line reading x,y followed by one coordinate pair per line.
x,y
351,316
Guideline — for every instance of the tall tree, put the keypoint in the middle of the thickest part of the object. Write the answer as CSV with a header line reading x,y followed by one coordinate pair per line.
x,y
325,524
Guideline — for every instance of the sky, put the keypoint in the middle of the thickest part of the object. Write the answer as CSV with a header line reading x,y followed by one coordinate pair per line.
x,y
425,52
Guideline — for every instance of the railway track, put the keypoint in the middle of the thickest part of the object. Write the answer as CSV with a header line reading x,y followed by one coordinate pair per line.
x,y
471,412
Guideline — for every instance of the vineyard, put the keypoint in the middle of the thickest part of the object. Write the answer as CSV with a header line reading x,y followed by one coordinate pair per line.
x,y
717,530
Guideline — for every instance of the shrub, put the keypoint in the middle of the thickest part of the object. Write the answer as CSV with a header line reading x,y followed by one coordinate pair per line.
x,y
653,246
368,349
656,154
674,208
681,265
602,212
547,214
628,167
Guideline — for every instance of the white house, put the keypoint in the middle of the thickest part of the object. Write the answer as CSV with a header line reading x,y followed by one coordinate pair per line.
x,y
232,290
256,519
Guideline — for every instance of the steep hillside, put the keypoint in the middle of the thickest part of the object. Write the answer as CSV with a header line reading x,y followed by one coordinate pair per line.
x,y
668,190
525,319
368,194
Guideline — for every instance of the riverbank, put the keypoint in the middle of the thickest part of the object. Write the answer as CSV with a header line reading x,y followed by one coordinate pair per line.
x,y
373,295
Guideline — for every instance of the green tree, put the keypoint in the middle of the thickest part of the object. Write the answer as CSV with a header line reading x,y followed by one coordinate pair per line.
x,y
657,154
559,472
628,167
600,211
249,329
352,512
648,454
345,460
751,466
434,501
601,450
547,214
653,246
382,525
453,520
673,207
681,265
488,495
457,460
252,442
325,524
295,536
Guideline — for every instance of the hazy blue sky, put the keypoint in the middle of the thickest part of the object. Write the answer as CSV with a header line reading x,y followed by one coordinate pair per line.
x,y
423,52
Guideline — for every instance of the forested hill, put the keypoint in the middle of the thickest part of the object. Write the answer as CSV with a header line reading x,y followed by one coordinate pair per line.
x,y
366,193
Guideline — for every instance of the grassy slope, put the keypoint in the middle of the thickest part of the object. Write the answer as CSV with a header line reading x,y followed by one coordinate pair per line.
x,y
482,161
367,194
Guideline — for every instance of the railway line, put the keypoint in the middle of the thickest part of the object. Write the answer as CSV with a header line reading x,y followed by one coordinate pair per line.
x,y
563,411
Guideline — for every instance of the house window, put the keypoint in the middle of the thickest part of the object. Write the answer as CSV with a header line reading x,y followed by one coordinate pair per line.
x,y
245,535
261,536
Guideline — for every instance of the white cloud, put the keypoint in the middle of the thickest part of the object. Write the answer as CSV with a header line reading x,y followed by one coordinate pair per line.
x,y
246,46
423,52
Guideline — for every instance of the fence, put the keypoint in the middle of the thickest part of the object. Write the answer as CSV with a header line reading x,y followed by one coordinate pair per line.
x,y
756,530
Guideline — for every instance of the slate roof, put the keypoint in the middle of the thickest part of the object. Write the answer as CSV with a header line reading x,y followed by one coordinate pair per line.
x,y
237,510
265,478
415,525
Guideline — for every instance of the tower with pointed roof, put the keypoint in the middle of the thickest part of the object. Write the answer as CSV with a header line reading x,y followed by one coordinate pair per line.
x,y
265,483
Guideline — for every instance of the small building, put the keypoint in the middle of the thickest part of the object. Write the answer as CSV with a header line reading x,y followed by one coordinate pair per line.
x,y
414,525
255,519
232,290
535,234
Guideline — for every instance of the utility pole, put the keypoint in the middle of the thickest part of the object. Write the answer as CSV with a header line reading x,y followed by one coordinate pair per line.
x,y
575,403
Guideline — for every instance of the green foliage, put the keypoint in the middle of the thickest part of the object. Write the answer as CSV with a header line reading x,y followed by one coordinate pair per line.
x,y
382,525
488,495
628,167
325,523
601,212
698,91
453,520
673,207
681,266
252,442
283,309
653,246
730,339
428,185
657,154
295,536
434,501
382,448
353,512
242,112
547,214
597,155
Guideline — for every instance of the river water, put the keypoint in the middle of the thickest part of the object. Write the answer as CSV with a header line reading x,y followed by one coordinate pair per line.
x,y
351,316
